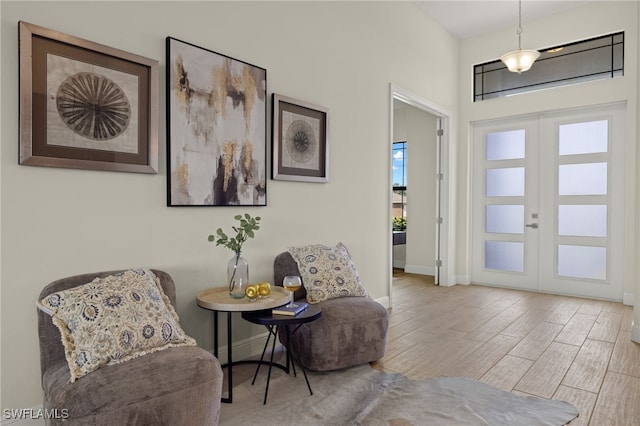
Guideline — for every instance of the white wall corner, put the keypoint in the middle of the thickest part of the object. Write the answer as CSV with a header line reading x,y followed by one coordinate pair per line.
x,y
627,299
635,332
463,279
384,301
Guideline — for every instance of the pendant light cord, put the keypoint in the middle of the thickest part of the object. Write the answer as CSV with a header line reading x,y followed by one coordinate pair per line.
x,y
519,32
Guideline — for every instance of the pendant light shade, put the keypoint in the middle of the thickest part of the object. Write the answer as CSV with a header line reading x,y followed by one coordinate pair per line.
x,y
520,60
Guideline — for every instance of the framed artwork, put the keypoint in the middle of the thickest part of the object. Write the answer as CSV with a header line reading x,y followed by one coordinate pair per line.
x,y
300,144
84,105
216,128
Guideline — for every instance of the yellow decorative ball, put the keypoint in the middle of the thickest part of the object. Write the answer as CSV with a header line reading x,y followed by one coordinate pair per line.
x,y
251,291
264,289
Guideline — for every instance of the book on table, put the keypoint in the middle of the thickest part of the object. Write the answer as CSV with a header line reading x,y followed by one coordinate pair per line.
x,y
292,311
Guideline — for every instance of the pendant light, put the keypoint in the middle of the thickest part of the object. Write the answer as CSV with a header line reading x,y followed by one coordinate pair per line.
x,y
519,60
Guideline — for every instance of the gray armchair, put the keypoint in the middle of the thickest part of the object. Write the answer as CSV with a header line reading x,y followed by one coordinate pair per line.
x,y
350,331
175,386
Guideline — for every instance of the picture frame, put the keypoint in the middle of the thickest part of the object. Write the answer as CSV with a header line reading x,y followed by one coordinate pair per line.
x,y
84,105
300,143
216,128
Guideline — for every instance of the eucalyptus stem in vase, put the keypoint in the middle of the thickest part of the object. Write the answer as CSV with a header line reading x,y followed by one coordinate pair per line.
x,y
238,268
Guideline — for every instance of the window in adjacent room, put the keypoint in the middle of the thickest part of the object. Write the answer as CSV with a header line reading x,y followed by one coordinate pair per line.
x,y
399,190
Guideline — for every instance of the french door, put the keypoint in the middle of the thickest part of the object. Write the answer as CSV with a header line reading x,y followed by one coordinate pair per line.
x,y
548,202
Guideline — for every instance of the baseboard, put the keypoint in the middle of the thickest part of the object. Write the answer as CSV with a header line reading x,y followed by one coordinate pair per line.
x,y
244,348
627,299
422,270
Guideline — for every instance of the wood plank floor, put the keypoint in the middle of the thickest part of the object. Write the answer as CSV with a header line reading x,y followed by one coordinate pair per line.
x,y
555,347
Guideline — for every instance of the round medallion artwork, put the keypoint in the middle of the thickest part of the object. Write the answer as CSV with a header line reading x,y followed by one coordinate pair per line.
x,y
300,141
93,106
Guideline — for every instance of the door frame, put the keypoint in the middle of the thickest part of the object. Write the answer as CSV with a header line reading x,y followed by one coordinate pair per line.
x,y
444,244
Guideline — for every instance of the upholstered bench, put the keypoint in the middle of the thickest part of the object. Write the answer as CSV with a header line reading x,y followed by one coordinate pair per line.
x,y
351,331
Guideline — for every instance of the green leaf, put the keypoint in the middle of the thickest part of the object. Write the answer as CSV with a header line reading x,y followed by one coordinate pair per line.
x,y
245,230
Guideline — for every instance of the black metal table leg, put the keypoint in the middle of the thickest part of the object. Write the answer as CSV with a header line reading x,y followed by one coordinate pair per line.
x,y
273,349
293,363
229,359
273,322
217,300
264,350
215,333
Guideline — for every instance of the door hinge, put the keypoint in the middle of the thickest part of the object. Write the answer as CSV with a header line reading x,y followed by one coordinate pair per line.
x,y
439,176
438,262
439,220
440,132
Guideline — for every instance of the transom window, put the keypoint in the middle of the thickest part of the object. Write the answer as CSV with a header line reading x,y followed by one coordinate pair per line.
x,y
593,59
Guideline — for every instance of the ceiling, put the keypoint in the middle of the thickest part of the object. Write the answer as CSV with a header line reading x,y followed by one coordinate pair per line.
x,y
472,18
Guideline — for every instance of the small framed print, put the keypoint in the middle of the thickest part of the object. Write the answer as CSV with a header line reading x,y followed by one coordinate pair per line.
x,y
300,145
84,105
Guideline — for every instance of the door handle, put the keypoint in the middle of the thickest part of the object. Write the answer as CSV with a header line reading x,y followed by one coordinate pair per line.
x,y
532,225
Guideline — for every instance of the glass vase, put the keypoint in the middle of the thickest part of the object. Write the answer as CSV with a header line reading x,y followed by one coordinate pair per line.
x,y
237,275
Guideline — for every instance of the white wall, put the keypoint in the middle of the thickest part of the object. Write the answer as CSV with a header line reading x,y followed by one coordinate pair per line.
x,y
580,23
341,55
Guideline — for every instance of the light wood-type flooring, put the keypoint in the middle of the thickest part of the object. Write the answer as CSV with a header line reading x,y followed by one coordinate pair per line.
x,y
555,347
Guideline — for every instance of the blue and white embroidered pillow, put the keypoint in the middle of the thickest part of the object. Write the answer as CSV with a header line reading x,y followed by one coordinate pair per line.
x,y
327,272
114,319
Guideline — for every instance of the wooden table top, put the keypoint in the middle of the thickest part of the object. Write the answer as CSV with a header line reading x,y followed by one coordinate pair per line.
x,y
218,299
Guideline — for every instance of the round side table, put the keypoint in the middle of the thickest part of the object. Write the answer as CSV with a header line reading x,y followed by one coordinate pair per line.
x,y
273,322
218,300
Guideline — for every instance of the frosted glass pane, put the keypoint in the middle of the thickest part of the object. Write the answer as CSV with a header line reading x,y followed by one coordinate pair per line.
x,y
505,145
582,179
582,220
507,182
504,256
506,219
583,138
582,262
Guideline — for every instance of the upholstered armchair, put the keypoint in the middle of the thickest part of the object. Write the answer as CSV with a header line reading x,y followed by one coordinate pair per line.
x,y
352,330
178,385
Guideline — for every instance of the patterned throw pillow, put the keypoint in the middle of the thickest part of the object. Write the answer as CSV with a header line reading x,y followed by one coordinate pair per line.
x,y
114,319
327,272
